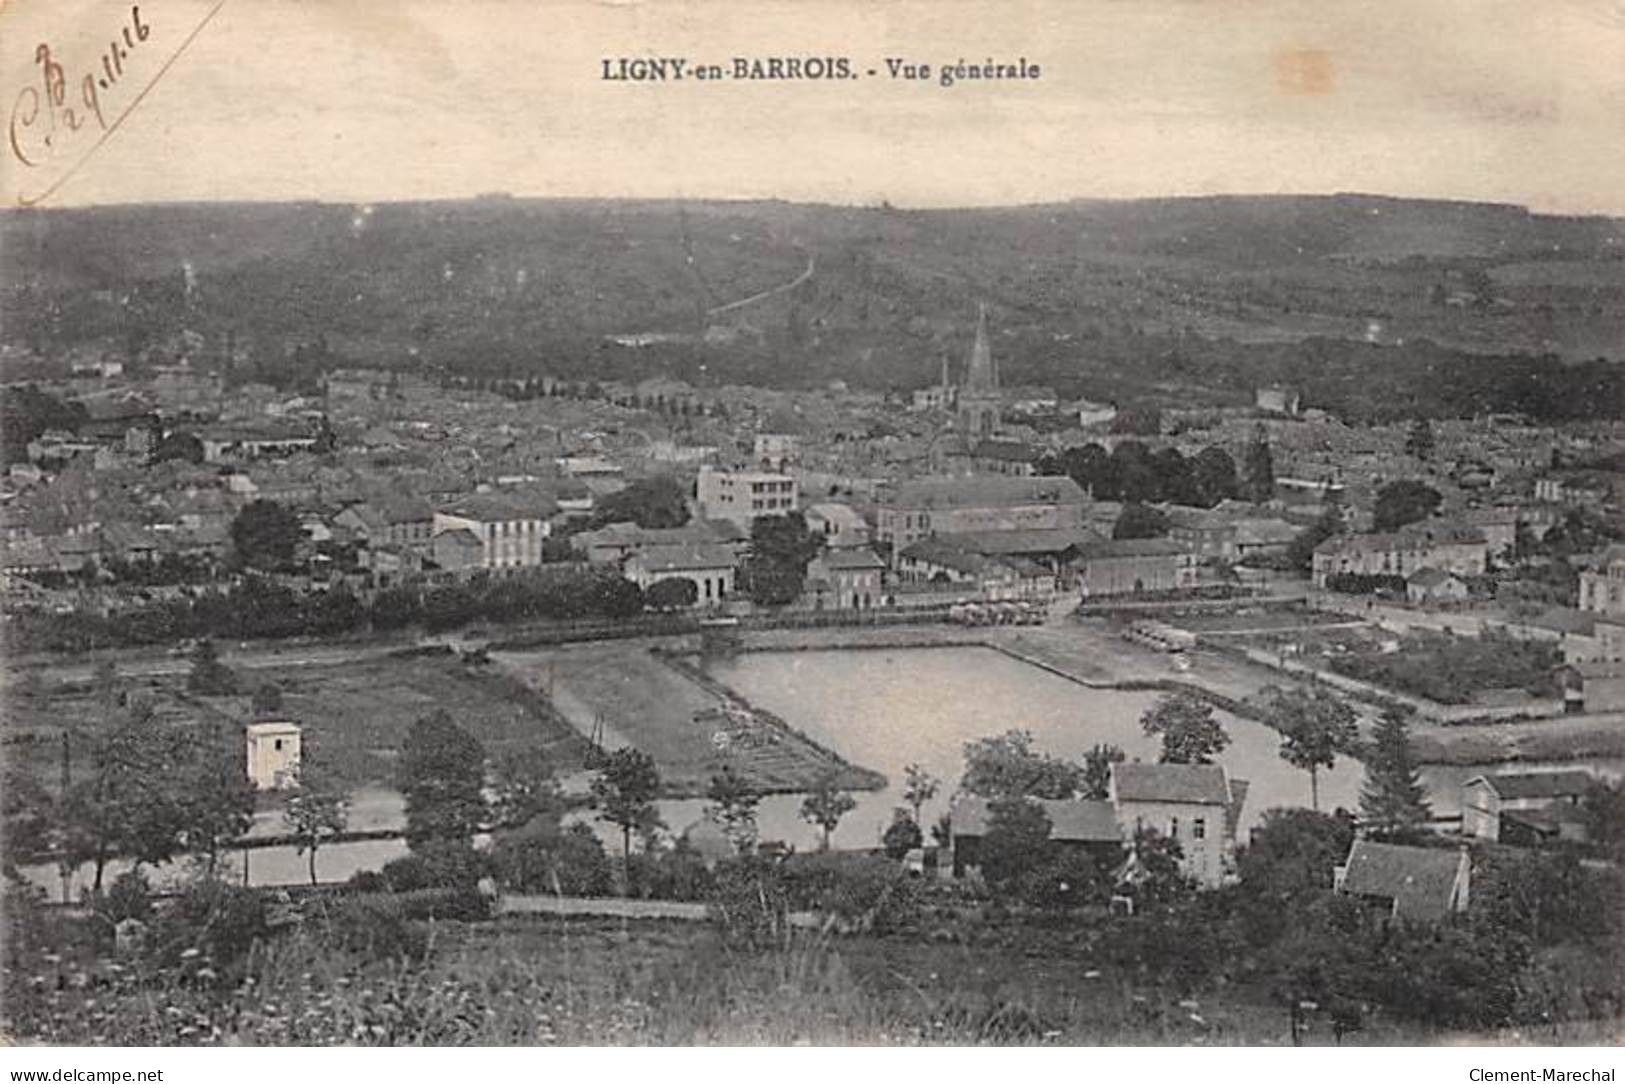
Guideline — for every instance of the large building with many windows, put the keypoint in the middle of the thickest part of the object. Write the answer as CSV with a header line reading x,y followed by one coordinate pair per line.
x,y
510,527
927,507
1448,548
741,495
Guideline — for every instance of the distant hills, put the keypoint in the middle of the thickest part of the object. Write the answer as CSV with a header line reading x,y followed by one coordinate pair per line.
x,y
1172,299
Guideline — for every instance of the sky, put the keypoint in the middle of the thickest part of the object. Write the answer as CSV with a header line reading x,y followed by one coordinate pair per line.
x,y
367,101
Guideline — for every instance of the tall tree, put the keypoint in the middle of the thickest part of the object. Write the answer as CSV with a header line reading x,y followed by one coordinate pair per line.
x,y
733,805
1403,502
1134,473
1097,770
1392,802
1017,841
780,549
209,676
1213,473
525,788
266,535
919,787
1007,766
1138,520
1176,480
442,775
1300,552
655,502
316,810
624,793
1089,465
1314,726
1190,733
216,797
902,835
1258,482
128,803
826,805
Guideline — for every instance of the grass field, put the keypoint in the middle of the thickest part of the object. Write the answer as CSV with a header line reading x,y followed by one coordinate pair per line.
x,y
358,714
639,701
609,982
355,714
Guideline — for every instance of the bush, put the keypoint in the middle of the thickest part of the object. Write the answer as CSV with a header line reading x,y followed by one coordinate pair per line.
x,y
1068,879
749,903
864,892
542,858
676,873
219,920
437,864
377,927
130,896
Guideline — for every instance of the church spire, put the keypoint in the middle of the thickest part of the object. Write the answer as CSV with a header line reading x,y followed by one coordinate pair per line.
x,y
981,376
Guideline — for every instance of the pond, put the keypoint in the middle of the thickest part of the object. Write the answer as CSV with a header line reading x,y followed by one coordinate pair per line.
x,y
885,709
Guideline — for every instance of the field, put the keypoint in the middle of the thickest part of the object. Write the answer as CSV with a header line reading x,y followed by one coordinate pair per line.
x,y
358,714
606,982
355,714
635,699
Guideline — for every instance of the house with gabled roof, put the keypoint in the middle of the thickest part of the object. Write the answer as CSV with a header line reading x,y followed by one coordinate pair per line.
x,y
1433,585
709,566
509,525
850,579
1418,884
1520,803
1086,825
1196,805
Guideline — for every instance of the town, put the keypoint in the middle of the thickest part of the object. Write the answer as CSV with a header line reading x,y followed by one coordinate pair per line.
x,y
1239,713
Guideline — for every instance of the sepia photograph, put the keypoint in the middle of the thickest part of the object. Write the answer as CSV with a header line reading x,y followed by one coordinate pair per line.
x,y
765,523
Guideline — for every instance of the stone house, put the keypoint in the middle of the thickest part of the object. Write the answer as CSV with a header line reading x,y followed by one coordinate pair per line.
x,y
1515,804
846,579
711,568
1194,804
1418,884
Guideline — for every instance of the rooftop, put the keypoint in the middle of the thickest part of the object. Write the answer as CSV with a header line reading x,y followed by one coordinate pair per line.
x,y
1420,880
1131,547
685,558
1202,784
502,507
982,491
1536,784
1070,820
859,559
1024,542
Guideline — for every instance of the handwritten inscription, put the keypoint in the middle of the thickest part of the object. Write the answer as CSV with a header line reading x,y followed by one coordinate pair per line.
x,y
45,117
72,105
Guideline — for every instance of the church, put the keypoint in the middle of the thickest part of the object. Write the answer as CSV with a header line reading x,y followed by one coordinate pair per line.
x,y
976,404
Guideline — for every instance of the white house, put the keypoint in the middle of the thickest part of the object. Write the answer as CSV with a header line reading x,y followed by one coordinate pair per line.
x,y
741,496
273,753
509,526
1194,804
846,579
842,526
710,567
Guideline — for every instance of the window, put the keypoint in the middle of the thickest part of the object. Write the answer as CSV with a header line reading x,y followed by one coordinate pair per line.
x,y
1173,828
278,745
1199,828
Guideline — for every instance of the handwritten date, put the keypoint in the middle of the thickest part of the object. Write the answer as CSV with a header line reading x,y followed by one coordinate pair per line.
x,y
46,116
